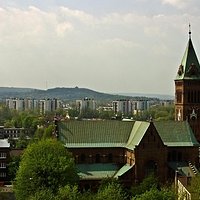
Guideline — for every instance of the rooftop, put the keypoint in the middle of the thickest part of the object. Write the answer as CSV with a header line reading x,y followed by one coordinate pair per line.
x,y
128,134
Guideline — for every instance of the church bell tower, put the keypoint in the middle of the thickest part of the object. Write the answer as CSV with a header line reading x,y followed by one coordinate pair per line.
x,y
187,89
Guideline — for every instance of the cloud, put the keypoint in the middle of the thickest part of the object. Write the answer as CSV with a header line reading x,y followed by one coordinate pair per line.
x,y
176,3
191,6
69,47
62,28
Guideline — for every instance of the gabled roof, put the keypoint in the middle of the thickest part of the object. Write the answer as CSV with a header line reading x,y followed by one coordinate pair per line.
x,y
105,134
137,133
88,134
123,170
176,133
189,68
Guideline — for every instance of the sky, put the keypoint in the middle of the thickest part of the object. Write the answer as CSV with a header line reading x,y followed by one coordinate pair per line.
x,y
111,46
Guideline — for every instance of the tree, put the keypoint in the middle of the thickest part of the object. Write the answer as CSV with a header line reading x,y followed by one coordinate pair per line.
x,y
22,142
46,165
44,132
155,194
42,194
147,184
195,186
13,166
111,191
68,193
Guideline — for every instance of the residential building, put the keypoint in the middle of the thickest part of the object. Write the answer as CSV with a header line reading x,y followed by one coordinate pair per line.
x,y
42,105
13,133
122,106
4,159
86,104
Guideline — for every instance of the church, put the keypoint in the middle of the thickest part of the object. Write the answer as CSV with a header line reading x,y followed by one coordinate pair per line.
x,y
131,150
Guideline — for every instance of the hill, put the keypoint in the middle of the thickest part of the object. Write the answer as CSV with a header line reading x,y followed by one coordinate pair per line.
x,y
60,93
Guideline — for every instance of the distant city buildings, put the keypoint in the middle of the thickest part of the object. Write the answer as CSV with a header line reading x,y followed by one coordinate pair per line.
x,y
42,105
86,104
123,106
131,106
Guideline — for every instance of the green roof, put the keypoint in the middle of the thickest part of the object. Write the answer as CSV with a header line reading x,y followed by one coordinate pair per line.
x,y
123,170
108,133
182,168
189,68
137,133
96,171
176,133
111,133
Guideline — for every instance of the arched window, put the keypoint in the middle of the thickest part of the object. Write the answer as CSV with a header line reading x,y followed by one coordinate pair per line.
x,y
97,158
83,158
192,97
151,168
179,156
188,96
110,158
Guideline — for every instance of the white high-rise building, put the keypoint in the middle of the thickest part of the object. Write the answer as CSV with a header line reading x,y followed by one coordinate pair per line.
x,y
86,104
122,106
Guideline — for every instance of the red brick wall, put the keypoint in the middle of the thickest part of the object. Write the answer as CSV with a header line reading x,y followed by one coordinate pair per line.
x,y
106,155
151,149
183,154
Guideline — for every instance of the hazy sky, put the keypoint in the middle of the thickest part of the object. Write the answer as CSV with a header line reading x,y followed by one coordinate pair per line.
x,y
106,45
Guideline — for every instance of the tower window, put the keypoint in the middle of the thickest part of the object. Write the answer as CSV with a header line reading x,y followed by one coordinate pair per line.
x,y
179,97
192,97
188,96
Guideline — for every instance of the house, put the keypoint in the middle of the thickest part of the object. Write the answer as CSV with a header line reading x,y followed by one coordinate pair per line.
x,y
4,159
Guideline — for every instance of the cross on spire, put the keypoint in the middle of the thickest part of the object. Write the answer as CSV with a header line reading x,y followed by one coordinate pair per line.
x,y
189,30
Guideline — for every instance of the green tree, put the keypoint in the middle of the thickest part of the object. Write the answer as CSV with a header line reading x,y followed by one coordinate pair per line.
x,y
155,194
147,184
194,187
44,132
68,193
42,194
22,142
111,191
5,114
13,166
47,165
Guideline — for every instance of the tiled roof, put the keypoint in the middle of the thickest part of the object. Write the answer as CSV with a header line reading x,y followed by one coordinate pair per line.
x,y
102,134
176,133
95,133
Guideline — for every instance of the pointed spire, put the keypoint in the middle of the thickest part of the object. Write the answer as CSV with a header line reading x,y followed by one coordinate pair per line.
x,y
189,68
190,31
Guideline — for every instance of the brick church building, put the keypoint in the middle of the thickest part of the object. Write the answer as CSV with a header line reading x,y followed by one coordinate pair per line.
x,y
131,150
187,89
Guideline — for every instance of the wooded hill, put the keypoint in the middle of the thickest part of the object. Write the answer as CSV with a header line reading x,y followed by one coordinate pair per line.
x,y
60,93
